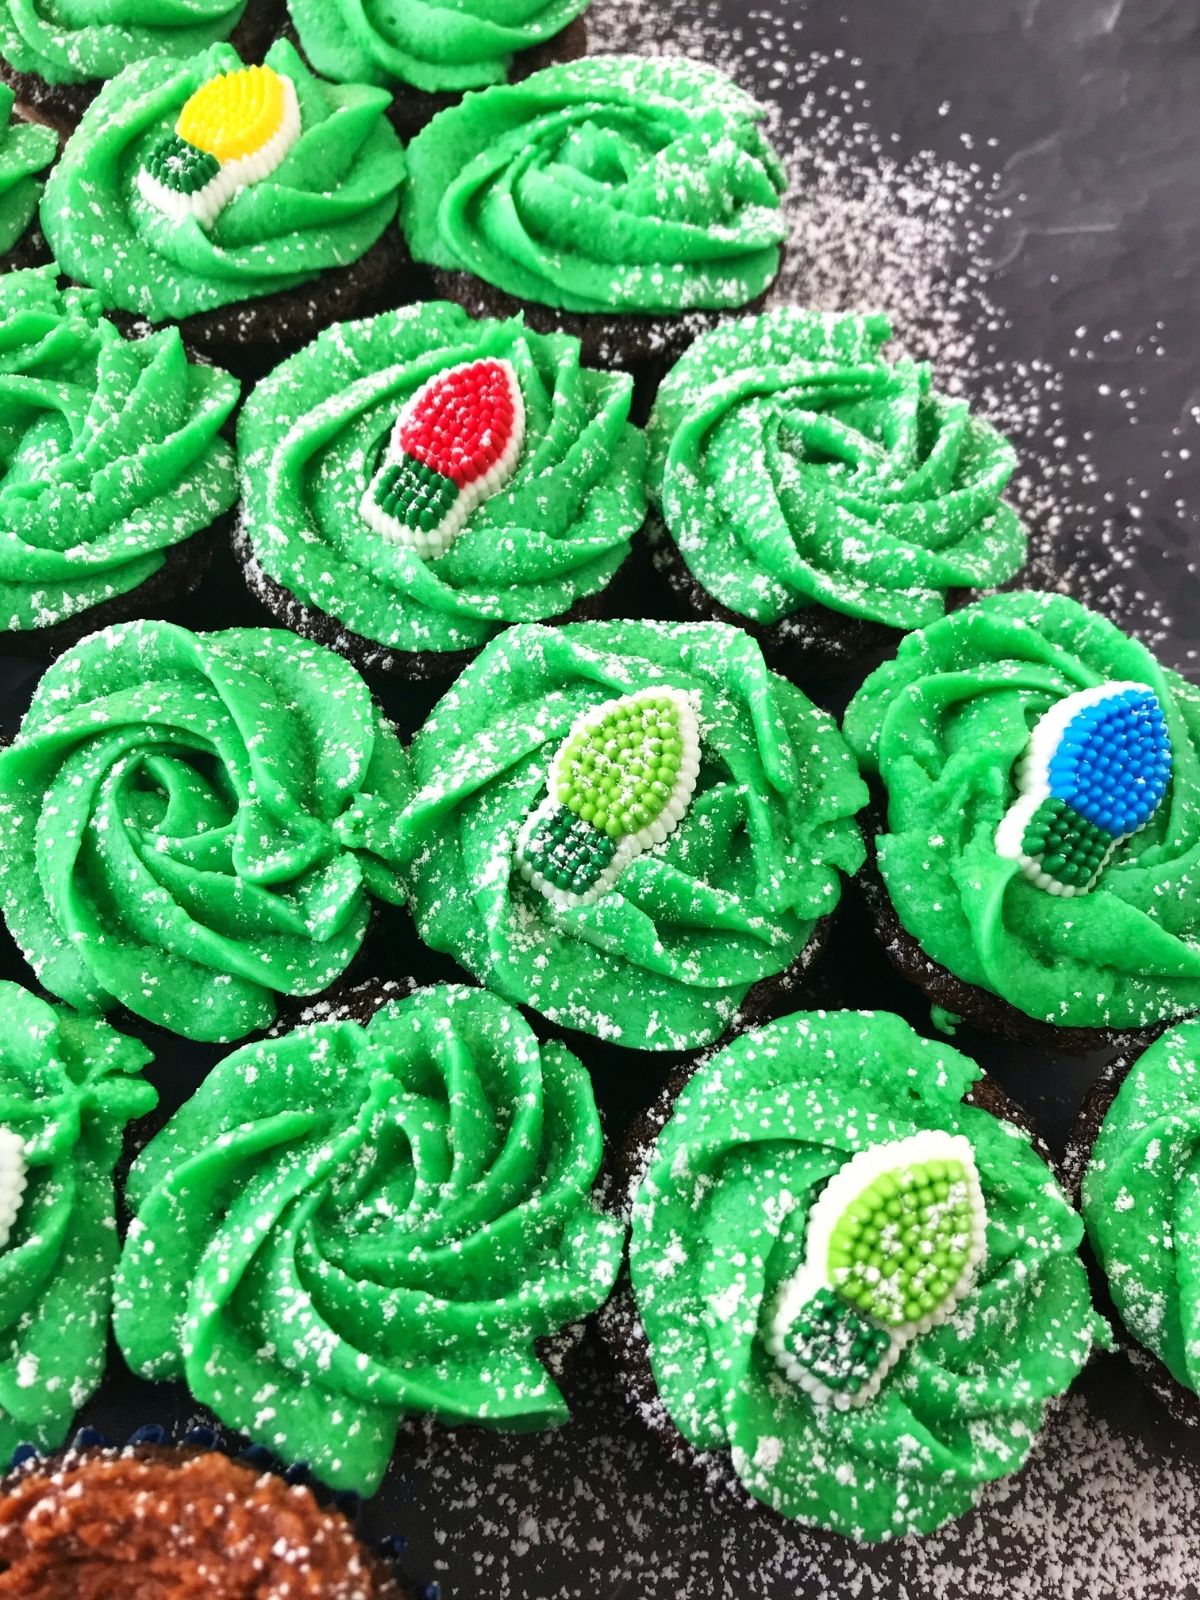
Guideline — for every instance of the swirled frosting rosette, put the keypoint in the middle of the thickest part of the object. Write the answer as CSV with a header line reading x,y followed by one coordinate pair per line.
x,y
614,184
68,1086
433,47
314,437
794,467
352,1223
194,184
194,824
1074,896
628,825
26,150
1141,1201
71,41
110,454
723,1250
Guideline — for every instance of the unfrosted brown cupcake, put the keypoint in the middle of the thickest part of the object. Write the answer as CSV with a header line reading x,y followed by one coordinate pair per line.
x,y
160,1522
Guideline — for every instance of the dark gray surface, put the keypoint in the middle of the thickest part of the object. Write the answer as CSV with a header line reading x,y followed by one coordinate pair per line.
x,y
1094,110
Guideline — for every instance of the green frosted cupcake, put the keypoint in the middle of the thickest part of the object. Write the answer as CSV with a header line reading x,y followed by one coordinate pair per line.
x,y
25,153
68,1086
414,483
114,478
196,824
819,496
57,54
1137,1143
251,205
633,827
368,1219
1038,783
628,200
429,55
855,1290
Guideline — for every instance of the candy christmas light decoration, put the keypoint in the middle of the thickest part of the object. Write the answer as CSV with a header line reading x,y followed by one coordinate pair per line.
x,y
893,1243
1096,770
619,784
455,443
234,131
13,1180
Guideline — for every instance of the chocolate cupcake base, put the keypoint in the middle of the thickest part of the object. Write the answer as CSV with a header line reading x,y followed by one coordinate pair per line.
x,y
250,337
624,1075
815,642
982,1009
31,250
412,108
184,567
61,105
644,345
368,655
1181,1403
620,1325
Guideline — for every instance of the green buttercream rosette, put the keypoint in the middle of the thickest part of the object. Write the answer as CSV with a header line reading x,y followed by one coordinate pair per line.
x,y
25,150
327,202
72,41
795,467
718,1226
613,184
352,1223
110,452
433,47
196,823
313,433
943,729
1141,1201
67,1089
664,958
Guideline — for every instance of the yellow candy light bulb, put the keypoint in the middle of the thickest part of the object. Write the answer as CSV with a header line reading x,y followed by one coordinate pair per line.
x,y
235,115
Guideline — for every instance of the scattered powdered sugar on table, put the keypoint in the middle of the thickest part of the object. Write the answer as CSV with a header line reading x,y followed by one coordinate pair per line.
x,y
917,237
1096,1513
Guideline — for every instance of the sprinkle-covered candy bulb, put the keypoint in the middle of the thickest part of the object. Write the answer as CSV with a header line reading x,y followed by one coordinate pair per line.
x,y
893,1244
1095,772
13,1180
620,783
234,131
456,442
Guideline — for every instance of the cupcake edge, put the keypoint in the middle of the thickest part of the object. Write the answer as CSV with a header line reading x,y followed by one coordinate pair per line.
x,y
412,108
816,643
185,566
369,656
251,337
644,344
982,1009
1180,1403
